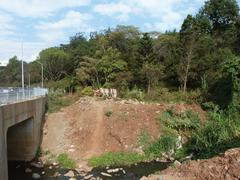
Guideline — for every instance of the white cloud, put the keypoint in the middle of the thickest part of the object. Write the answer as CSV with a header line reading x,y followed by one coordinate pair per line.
x,y
6,25
9,48
169,13
39,8
56,31
121,10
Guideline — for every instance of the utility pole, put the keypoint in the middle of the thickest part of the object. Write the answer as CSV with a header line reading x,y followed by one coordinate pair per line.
x,y
22,68
42,71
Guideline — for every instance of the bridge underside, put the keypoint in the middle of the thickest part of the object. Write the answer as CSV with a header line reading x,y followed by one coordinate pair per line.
x,y
20,131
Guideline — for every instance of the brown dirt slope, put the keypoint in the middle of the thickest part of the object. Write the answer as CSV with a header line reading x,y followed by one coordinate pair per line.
x,y
83,129
224,167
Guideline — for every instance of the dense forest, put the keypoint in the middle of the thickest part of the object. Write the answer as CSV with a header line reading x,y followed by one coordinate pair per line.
x,y
203,57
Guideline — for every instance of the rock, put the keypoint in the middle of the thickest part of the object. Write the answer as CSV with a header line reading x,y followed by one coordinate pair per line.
x,y
177,163
72,178
55,164
113,170
88,177
36,176
144,178
28,170
36,165
50,167
106,174
43,172
71,150
69,174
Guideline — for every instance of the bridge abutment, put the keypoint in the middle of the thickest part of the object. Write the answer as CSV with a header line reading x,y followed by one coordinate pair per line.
x,y
20,131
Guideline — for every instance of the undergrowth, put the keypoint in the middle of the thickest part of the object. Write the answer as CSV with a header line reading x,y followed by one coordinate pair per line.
x,y
65,161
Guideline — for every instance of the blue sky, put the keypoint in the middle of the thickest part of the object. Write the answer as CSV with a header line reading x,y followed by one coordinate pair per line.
x,y
45,23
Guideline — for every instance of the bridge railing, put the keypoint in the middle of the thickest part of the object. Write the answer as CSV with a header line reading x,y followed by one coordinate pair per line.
x,y
11,95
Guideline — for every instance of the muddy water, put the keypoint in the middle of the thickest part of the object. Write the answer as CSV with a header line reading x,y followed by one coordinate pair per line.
x,y
17,171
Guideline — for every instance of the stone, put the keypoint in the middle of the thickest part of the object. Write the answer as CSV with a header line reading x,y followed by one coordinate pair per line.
x,y
106,174
43,172
177,163
36,176
28,170
55,164
144,178
69,174
72,178
88,177
36,165
113,170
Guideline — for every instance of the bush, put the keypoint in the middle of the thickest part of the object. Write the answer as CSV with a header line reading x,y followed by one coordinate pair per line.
x,y
218,134
65,161
134,94
115,159
165,143
58,100
185,121
87,91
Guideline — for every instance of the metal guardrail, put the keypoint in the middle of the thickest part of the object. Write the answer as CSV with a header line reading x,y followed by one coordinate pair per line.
x,y
12,95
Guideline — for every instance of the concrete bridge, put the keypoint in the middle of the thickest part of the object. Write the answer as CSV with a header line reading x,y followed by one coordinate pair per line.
x,y
20,125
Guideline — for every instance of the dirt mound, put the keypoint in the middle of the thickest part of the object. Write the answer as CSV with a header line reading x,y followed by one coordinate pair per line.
x,y
91,126
224,167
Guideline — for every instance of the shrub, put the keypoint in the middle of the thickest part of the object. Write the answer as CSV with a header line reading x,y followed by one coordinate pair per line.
x,y
164,144
185,121
134,94
58,100
115,159
87,91
215,136
65,161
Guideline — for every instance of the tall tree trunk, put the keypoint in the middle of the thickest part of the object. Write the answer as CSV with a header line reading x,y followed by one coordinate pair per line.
x,y
149,86
189,59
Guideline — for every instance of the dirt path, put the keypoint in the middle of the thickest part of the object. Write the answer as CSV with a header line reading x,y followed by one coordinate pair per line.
x,y
97,135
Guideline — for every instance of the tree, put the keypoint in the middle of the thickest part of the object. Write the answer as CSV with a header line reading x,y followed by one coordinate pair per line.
x,y
110,65
87,71
152,73
56,63
189,35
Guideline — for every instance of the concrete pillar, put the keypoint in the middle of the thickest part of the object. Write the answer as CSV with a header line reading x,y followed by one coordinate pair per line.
x,y
3,150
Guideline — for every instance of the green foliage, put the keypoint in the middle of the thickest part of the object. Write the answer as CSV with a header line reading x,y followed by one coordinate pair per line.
x,y
56,62
218,134
115,159
108,113
58,100
65,161
144,139
184,121
165,143
87,91
135,93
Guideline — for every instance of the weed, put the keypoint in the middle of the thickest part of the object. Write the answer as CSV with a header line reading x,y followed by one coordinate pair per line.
x,y
185,121
108,113
65,161
144,139
165,143
115,159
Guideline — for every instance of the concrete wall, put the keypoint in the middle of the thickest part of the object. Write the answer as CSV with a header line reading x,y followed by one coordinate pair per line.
x,y
20,131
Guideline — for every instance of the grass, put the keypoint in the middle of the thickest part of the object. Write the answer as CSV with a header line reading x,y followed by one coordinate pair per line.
x,y
144,139
218,134
185,121
165,143
115,159
57,100
65,161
